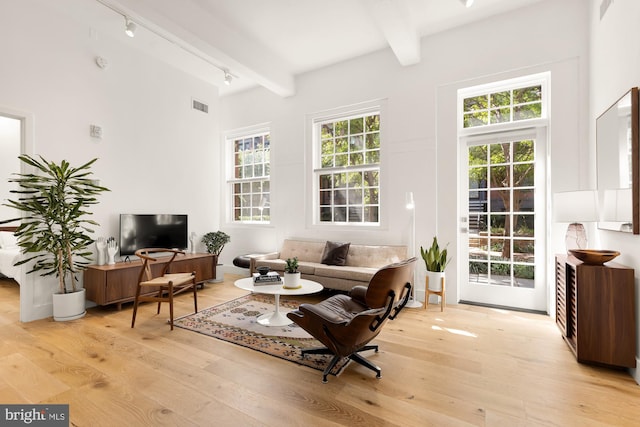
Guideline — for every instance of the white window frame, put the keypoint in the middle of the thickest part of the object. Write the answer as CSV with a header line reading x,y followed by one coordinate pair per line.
x,y
542,79
231,180
314,163
537,129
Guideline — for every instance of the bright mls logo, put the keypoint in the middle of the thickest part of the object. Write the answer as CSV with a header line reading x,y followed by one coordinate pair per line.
x,y
34,415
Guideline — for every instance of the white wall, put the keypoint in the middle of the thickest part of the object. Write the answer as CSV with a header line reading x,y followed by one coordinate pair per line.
x,y
615,68
9,163
421,141
157,155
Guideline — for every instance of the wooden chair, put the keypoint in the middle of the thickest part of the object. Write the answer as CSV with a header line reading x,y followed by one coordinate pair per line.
x,y
168,284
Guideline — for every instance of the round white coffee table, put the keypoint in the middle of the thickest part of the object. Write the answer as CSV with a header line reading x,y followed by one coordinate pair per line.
x,y
277,318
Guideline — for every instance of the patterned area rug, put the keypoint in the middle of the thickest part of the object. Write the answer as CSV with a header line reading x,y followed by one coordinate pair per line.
x,y
235,321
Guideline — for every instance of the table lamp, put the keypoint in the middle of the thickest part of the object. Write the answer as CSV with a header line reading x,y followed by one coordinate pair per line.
x,y
575,207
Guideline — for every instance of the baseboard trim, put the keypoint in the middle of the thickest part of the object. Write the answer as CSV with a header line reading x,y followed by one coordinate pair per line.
x,y
635,372
503,307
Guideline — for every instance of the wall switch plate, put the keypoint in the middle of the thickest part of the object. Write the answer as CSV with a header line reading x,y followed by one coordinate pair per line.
x,y
95,131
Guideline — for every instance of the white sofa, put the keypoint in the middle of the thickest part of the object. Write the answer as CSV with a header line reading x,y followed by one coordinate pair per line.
x,y
362,261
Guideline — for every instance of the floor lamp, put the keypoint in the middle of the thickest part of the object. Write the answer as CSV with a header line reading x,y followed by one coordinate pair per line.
x,y
411,207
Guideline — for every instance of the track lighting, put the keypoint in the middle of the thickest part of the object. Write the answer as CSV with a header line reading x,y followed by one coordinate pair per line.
x,y
130,27
467,3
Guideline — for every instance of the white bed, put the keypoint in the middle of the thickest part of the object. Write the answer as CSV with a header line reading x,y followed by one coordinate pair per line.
x,y
9,255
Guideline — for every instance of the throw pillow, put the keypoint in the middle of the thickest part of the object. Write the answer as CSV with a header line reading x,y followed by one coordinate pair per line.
x,y
335,253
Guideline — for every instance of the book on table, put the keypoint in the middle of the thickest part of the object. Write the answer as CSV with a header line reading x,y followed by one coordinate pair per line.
x,y
272,278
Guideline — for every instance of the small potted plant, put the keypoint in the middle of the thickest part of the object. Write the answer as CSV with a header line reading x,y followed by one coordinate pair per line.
x,y
215,241
435,260
291,274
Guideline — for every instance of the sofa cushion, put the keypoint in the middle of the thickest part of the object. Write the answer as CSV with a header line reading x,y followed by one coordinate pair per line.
x,y
335,253
360,274
310,251
375,256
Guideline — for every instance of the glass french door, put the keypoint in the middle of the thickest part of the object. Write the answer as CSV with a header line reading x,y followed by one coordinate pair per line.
x,y
504,196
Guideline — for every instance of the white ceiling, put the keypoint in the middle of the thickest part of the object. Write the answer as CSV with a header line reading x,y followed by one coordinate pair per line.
x,y
269,42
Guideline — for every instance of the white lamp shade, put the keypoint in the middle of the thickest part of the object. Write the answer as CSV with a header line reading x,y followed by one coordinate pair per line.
x,y
575,206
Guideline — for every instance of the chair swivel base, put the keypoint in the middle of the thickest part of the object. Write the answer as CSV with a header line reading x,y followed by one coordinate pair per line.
x,y
355,356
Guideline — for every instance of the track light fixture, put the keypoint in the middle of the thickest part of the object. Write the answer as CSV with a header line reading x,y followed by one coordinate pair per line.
x,y
467,3
130,27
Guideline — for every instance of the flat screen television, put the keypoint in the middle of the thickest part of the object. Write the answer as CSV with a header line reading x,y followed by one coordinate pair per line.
x,y
152,231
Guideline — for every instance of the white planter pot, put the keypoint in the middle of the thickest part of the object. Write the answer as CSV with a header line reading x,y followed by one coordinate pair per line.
x,y
434,279
219,274
292,280
69,306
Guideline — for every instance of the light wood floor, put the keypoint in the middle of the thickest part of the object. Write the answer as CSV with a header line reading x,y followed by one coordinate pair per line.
x,y
468,366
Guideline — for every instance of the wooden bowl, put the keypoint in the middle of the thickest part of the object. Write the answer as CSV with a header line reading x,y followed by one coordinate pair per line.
x,y
594,256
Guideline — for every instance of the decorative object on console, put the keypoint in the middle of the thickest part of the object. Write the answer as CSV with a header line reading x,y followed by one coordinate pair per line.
x,y
594,256
575,207
291,274
112,249
55,200
192,239
101,247
215,241
435,261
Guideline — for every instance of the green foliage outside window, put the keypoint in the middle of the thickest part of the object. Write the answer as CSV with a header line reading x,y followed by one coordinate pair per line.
x,y
352,195
503,107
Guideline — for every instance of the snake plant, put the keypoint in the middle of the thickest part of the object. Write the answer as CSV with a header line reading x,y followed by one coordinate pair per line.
x,y
434,258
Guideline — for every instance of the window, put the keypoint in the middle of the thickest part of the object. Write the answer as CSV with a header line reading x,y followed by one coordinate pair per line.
x,y
250,177
503,106
347,169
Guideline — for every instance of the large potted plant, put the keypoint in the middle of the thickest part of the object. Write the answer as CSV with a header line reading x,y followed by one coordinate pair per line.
x,y
54,229
215,241
436,261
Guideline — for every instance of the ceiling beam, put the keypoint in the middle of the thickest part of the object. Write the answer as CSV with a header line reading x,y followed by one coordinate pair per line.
x,y
394,20
216,40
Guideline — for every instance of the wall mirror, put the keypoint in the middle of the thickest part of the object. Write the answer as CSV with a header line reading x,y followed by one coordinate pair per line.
x,y
618,165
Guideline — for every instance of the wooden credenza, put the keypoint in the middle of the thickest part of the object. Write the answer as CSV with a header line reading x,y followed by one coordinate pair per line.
x,y
116,284
595,311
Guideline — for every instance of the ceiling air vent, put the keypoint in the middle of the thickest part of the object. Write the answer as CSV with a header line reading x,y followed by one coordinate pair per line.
x,y
200,106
